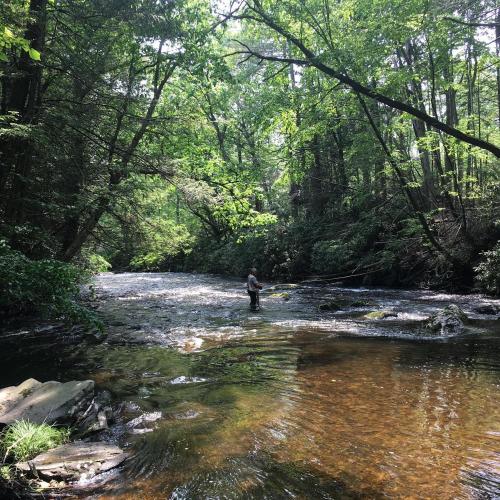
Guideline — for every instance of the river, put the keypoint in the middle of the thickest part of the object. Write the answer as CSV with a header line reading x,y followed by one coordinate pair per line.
x,y
288,402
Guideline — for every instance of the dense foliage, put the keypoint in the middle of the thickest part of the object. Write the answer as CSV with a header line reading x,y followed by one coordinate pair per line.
x,y
354,140
47,287
488,271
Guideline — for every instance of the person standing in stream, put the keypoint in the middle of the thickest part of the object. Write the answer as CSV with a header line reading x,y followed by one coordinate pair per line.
x,y
253,287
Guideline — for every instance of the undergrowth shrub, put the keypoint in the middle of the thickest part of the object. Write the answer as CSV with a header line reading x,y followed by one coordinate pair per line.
x,y
268,250
488,271
46,287
24,440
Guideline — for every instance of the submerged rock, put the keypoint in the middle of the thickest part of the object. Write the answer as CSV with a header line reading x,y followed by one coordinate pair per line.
x,y
190,410
362,303
330,306
47,402
449,321
487,309
344,303
380,315
74,460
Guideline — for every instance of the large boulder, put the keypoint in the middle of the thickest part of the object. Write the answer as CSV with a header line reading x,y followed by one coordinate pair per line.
x,y
47,402
449,321
73,461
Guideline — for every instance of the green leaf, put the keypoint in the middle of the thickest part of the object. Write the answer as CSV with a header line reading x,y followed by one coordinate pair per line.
x,y
34,54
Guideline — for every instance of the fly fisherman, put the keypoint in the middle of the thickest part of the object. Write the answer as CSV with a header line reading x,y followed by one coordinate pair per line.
x,y
253,287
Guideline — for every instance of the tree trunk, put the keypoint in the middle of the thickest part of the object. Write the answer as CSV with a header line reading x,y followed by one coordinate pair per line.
x,y
24,92
23,97
338,158
315,178
118,173
294,192
73,177
497,48
407,190
415,94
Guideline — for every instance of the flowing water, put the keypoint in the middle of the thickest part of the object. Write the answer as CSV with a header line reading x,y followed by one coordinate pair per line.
x,y
215,401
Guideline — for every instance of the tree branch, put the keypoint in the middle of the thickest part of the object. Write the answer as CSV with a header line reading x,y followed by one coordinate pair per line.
x,y
313,60
472,25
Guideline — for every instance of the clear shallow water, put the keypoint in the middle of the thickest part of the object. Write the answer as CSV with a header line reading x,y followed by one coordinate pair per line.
x,y
286,403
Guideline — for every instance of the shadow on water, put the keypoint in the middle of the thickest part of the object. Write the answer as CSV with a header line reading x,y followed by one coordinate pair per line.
x,y
287,403
259,476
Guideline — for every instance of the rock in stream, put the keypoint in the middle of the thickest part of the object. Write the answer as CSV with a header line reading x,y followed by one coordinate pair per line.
x,y
449,321
73,403
47,402
74,461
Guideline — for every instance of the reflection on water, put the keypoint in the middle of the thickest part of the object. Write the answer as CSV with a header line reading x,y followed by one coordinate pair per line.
x,y
288,403
391,417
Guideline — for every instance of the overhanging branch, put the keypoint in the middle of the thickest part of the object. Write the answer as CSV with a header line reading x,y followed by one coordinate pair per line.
x,y
313,60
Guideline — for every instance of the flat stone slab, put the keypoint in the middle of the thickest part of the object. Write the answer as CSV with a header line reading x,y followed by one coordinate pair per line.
x,y
44,402
10,396
74,460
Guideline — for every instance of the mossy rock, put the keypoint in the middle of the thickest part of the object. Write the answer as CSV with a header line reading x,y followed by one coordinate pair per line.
x,y
449,321
380,315
333,305
281,295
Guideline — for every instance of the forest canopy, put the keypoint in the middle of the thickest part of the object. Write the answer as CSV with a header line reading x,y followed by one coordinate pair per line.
x,y
355,140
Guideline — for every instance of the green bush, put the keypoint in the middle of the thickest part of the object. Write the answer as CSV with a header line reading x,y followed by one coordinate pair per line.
x,y
24,440
151,261
47,287
488,271
156,250
95,264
